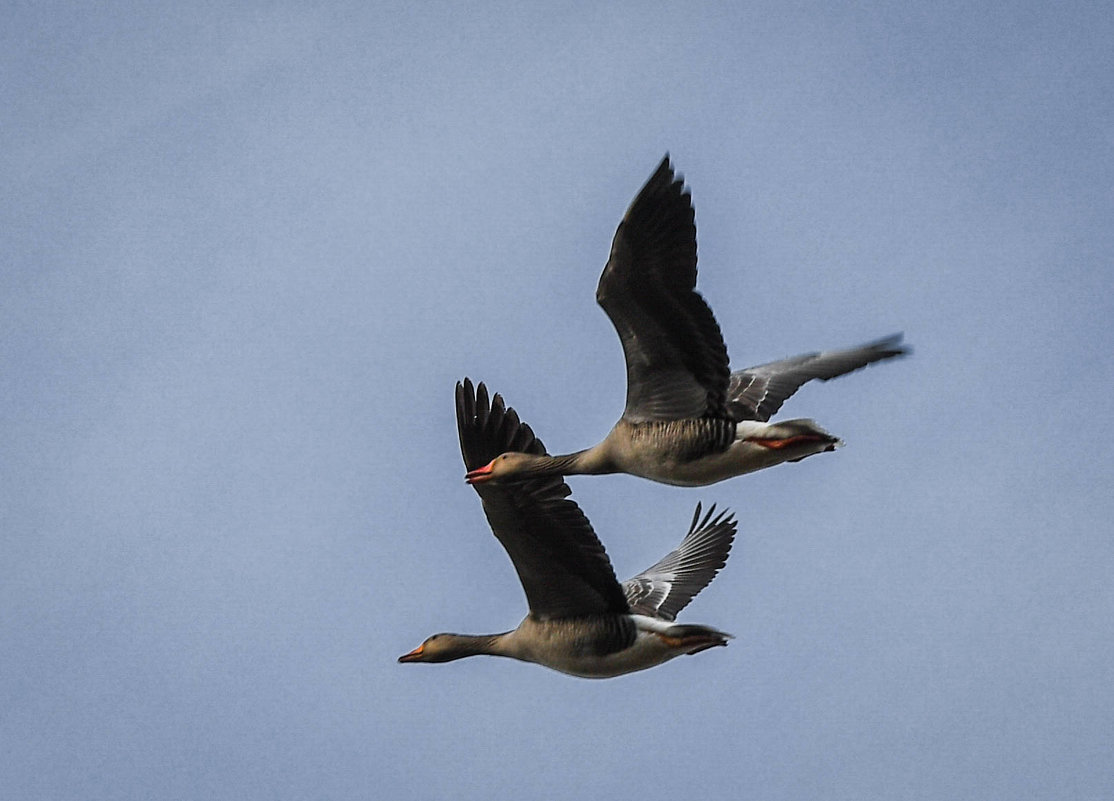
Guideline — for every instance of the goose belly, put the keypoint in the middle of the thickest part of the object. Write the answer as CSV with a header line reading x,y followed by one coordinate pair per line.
x,y
687,453
592,648
647,651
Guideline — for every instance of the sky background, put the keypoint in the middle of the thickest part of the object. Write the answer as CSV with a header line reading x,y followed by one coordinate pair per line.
x,y
249,249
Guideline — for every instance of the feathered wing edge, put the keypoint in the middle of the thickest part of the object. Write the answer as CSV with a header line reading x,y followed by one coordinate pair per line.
x,y
677,364
757,393
667,587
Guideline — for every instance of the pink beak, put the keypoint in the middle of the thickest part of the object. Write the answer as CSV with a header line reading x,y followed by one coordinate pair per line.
x,y
480,474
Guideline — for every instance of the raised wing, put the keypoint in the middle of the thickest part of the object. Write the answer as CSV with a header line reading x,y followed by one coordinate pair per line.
x,y
677,364
665,589
756,393
561,563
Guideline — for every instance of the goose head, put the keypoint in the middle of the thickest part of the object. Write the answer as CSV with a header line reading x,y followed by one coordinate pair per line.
x,y
502,467
447,647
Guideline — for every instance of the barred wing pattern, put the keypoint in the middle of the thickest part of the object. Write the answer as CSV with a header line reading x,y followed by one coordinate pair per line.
x,y
666,588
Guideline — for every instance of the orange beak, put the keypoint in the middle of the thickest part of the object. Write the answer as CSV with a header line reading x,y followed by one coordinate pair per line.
x,y
413,656
480,474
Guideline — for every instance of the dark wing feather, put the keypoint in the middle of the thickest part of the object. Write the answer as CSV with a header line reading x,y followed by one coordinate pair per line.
x,y
561,563
756,393
677,364
666,588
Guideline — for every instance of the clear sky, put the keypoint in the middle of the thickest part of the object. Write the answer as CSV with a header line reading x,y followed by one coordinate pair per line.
x,y
248,251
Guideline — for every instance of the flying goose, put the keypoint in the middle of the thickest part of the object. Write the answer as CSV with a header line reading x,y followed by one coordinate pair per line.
x,y
688,420
582,621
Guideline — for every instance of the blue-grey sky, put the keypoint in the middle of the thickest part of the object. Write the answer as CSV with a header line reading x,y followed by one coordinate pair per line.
x,y
248,251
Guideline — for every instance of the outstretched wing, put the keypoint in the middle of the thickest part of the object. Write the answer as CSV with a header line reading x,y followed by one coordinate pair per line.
x,y
561,563
666,588
676,361
756,393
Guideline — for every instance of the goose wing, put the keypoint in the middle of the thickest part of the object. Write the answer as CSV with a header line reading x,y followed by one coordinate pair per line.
x,y
666,588
756,393
676,360
560,562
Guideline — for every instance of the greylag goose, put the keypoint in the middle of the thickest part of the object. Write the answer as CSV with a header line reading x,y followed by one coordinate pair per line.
x,y
688,420
582,621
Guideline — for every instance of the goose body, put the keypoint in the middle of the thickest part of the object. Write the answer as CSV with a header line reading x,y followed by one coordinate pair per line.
x,y
688,419
755,445
582,621
591,648
678,452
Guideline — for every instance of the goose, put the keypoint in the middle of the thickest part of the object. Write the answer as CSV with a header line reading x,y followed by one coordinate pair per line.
x,y
688,420
582,621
